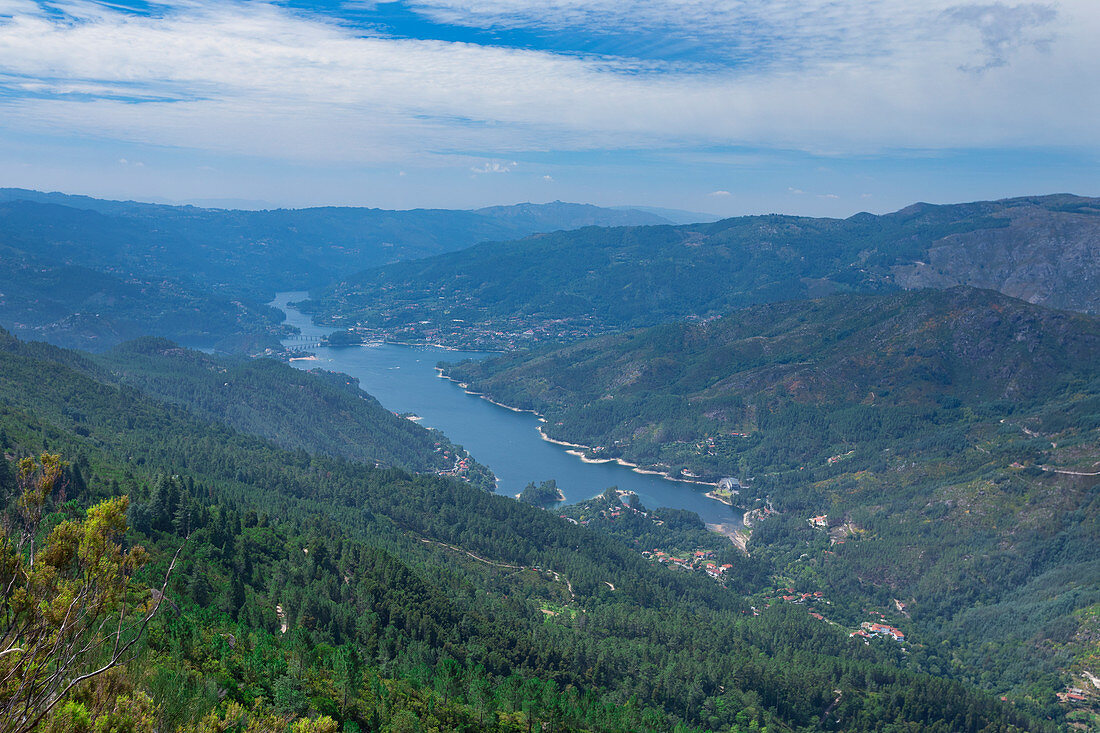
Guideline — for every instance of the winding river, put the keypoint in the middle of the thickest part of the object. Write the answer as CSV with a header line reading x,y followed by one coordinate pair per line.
x,y
404,379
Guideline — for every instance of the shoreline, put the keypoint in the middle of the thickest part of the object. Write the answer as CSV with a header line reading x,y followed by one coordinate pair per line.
x,y
724,500
585,459
559,500
428,345
577,449
739,536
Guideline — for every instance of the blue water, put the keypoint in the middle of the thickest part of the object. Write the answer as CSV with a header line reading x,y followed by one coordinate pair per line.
x,y
404,379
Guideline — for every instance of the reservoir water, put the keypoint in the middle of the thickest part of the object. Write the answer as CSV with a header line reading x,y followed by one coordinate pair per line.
x,y
404,379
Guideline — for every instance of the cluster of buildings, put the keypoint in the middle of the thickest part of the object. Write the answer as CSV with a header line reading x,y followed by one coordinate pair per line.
x,y
511,333
841,457
1071,695
789,595
792,597
868,630
460,467
758,515
698,560
718,444
616,511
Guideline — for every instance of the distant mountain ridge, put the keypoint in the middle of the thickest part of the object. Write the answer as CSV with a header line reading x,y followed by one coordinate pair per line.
x,y
208,270
563,213
1047,253
675,216
252,254
1043,249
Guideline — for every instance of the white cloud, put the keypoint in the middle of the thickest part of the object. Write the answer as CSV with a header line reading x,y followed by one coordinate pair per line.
x,y
1004,29
827,77
779,31
719,193
795,191
494,166
548,179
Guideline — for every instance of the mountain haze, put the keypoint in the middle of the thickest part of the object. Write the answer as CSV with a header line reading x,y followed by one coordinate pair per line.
x,y
1044,249
73,264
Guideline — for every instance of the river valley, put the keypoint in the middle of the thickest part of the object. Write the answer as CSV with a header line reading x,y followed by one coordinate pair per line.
x,y
405,380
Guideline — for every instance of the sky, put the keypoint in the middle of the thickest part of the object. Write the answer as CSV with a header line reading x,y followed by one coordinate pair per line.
x,y
817,107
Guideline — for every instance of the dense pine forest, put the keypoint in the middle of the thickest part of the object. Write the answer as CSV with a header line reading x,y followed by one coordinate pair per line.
x,y
315,593
928,458
319,411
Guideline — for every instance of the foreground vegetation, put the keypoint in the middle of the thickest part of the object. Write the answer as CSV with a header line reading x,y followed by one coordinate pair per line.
x,y
315,593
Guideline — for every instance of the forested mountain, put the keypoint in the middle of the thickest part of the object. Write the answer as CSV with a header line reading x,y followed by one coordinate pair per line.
x,y
941,448
318,411
77,306
570,284
251,254
840,361
84,272
316,591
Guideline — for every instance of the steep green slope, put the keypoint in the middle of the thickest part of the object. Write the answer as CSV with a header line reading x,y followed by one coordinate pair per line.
x,y
949,442
319,412
840,373
375,565
570,284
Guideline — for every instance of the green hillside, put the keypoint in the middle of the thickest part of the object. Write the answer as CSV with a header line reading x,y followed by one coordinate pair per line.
x,y
948,442
414,600
76,306
848,371
317,411
568,285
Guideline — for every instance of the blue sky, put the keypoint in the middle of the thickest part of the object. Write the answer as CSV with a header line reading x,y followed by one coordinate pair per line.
x,y
822,107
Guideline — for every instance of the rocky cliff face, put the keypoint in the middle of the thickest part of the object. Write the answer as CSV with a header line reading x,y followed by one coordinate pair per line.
x,y
1049,254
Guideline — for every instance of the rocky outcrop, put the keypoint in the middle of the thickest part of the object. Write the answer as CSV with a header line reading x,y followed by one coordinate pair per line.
x,y
1048,255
